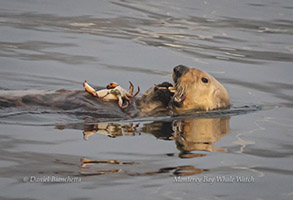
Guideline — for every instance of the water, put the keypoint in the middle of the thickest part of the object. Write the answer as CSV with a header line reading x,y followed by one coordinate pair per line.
x,y
52,45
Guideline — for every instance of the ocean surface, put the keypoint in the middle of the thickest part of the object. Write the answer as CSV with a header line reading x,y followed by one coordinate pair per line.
x,y
243,153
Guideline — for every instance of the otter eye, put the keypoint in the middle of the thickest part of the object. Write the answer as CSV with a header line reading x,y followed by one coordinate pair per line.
x,y
204,80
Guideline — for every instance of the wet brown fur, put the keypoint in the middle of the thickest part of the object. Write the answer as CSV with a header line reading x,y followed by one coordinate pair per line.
x,y
199,95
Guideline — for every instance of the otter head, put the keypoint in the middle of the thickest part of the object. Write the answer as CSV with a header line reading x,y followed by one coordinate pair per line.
x,y
197,90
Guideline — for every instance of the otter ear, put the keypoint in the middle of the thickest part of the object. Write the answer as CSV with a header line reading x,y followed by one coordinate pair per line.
x,y
221,99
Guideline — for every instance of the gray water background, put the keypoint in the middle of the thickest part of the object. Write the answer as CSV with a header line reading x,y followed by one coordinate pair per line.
x,y
51,45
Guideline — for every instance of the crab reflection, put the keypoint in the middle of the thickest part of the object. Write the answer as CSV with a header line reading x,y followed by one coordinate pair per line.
x,y
197,134
103,167
111,130
192,137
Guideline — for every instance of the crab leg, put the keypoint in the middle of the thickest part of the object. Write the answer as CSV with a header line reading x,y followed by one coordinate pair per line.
x,y
120,102
89,89
131,88
86,134
128,99
102,93
171,89
138,90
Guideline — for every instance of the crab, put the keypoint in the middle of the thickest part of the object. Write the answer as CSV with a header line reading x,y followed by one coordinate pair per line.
x,y
112,130
114,92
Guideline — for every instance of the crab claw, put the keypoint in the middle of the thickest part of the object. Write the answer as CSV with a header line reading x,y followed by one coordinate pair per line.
x,y
89,89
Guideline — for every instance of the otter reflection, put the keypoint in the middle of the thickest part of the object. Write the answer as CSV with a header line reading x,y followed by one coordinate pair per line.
x,y
197,134
200,134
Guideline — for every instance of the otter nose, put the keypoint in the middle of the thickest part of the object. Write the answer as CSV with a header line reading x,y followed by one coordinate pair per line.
x,y
180,70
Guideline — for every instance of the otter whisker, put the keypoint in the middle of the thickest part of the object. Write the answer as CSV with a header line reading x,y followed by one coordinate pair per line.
x,y
180,90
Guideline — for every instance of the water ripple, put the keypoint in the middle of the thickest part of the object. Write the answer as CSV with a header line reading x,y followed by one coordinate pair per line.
x,y
198,36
